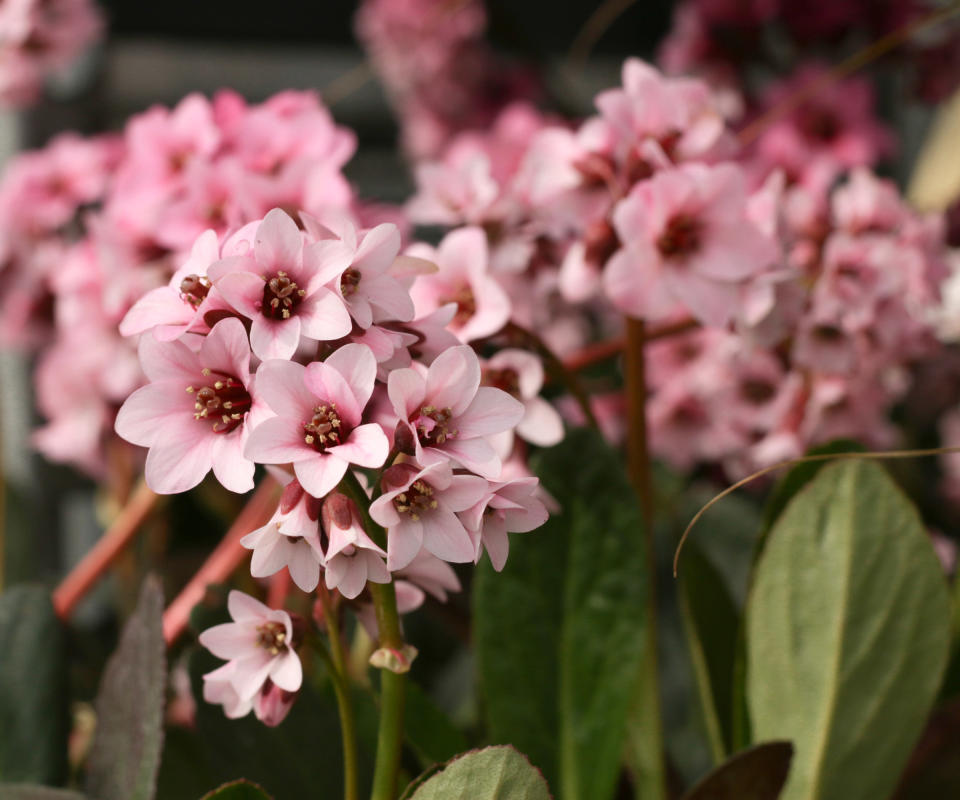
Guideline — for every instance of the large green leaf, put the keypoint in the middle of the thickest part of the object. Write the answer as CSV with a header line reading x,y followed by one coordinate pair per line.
x,y
711,624
237,790
495,773
848,630
755,774
9,791
561,631
34,706
125,754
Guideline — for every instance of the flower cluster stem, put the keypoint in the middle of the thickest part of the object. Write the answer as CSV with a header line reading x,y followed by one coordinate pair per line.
x,y
341,687
648,747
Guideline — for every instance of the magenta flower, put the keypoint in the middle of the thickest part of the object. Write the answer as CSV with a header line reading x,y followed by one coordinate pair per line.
x,y
448,414
319,410
195,413
279,285
418,508
259,646
686,240
353,558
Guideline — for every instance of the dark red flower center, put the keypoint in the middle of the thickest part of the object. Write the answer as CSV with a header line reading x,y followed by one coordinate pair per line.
x,y
466,304
272,637
349,281
280,296
224,403
680,238
325,428
506,380
194,288
757,390
416,500
433,425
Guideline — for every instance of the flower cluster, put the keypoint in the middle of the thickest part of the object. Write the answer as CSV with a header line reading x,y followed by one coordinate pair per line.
x,y
308,348
442,77
88,226
39,38
810,302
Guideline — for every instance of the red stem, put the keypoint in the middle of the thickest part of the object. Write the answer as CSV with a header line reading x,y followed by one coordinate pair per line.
x,y
108,548
600,351
223,560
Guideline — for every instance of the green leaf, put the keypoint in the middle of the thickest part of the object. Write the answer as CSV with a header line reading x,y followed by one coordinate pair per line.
x,y
125,754
561,631
755,774
848,631
34,705
711,624
495,773
787,487
237,790
10,791
933,772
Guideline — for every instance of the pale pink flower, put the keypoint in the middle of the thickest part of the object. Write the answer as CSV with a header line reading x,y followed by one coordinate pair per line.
x,y
449,415
353,558
483,308
279,285
508,507
366,285
686,239
272,704
170,311
219,689
290,539
259,644
418,508
195,413
319,412
520,374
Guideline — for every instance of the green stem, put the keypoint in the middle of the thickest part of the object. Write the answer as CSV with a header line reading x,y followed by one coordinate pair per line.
x,y
392,697
392,685
341,686
647,746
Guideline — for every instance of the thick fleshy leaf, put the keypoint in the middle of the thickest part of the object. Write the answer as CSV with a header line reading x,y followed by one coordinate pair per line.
x,y
125,754
848,631
755,774
34,705
711,624
237,790
495,773
559,678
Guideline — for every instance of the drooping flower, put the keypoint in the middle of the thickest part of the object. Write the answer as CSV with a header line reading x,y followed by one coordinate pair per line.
x,y
508,507
259,645
196,412
353,558
318,424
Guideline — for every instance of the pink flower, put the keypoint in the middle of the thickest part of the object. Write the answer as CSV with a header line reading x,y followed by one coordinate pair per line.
x,y
170,311
448,414
418,508
509,507
353,558
483,308
686,239
259,645
367,289
280,286
195,413
520,374
319,412
290,539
